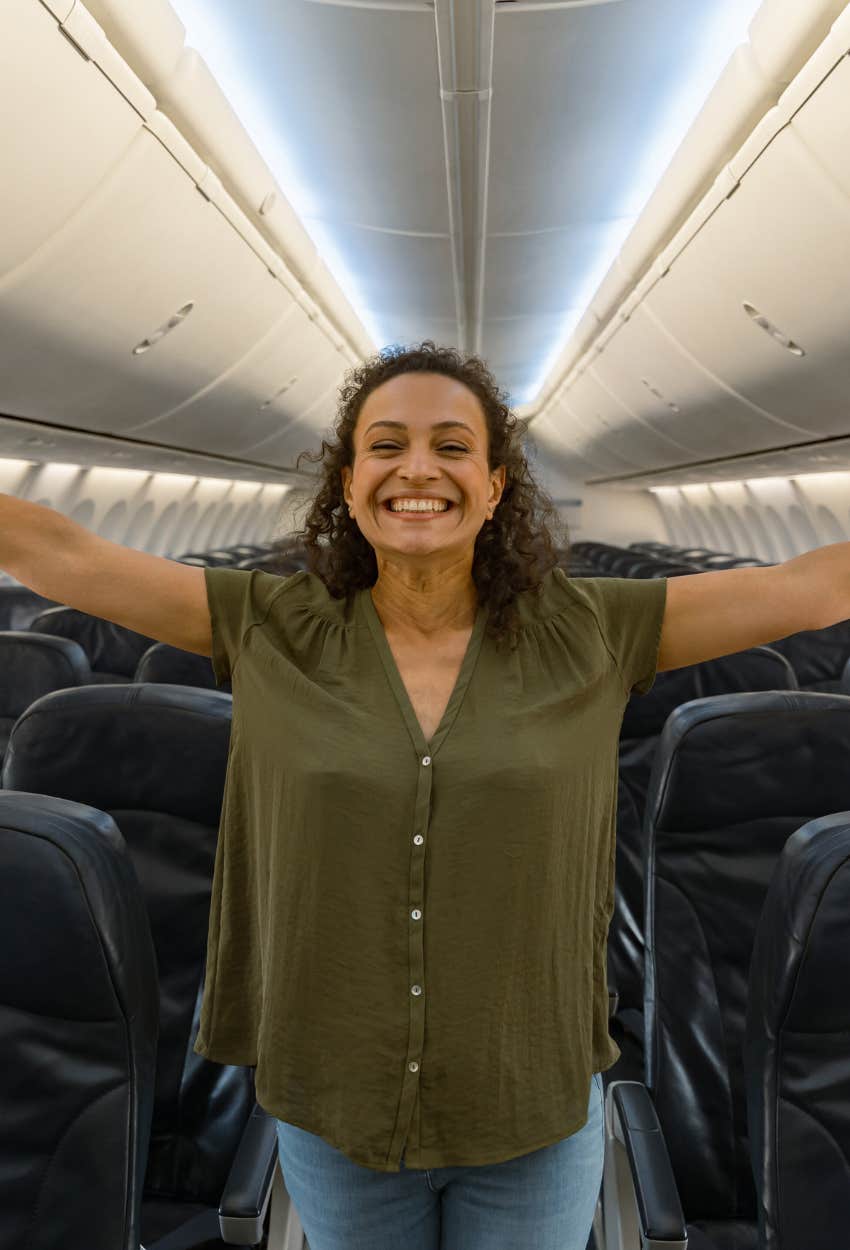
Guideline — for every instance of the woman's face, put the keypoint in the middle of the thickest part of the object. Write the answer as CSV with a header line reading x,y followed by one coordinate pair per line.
x,y
421,435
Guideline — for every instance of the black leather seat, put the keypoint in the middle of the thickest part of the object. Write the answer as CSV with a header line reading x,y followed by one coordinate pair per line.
x,y
154,758
818,656
113,651
733,778
162,663
78,1020
19,605
759,668
797,1059
32,665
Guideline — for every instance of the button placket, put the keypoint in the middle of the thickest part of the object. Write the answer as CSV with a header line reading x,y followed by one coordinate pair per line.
x,y
416,912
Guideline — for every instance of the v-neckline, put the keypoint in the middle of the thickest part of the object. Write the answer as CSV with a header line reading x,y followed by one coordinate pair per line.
x,y
421,743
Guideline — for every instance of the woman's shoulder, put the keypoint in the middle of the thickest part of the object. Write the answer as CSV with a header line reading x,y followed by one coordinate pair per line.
x,y
557,594
258,597
304,593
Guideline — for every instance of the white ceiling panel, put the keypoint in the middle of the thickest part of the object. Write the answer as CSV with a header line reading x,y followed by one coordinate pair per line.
x,y
400,270
545,273
509,344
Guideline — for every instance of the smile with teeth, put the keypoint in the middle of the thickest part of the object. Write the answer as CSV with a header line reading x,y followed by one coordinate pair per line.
x,y
418,505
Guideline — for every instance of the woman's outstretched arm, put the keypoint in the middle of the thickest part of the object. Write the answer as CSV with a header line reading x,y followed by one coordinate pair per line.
x,y
714,614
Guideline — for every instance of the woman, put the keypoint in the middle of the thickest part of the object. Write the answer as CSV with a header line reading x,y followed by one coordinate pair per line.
x,y
414,875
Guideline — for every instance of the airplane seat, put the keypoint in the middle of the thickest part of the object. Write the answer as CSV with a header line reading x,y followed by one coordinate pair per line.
x,y
818,656
796,1058
32,665
758,668
78,1016
734,776
205,558
19,605
223,556
154,758
845,679
113,651
175,667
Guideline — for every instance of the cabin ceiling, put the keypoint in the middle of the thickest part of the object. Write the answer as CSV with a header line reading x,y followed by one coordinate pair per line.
x,y
472,167
195,251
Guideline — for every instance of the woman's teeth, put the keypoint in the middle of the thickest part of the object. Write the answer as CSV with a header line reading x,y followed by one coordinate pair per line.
x,y
419,505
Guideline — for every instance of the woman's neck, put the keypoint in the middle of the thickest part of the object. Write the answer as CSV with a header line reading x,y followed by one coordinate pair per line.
x,y
425,606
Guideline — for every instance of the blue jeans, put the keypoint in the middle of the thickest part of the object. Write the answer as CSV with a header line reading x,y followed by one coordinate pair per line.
x,y
544,1200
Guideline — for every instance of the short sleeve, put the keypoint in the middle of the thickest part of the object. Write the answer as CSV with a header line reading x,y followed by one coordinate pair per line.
x,y
237,599
630,615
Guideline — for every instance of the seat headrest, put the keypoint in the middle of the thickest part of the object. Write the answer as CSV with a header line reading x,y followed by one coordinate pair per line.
x,y
759,668
150,747
32,665
740,757
110,648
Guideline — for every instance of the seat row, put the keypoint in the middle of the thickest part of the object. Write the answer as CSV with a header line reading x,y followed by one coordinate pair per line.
x,y
731,1131
116,1132
705,777
719,1091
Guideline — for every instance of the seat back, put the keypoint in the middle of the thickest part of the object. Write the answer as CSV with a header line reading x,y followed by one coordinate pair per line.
x,y
818,656
78,1022
113,651
759,668
162,663
32,665
733,778
154,758
19,605
796,1055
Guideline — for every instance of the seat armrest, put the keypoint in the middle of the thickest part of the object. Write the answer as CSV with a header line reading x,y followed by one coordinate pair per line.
x,y
641,1207
242,1210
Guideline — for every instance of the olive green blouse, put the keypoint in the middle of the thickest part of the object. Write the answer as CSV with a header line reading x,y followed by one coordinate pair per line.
x,y
408,938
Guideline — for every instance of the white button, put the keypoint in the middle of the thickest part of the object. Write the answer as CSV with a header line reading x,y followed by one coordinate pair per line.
x,y
418,839
416,989
413,1067
427,760
416,914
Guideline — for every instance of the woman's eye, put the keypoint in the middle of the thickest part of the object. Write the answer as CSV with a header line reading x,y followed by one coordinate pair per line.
x,y
444,447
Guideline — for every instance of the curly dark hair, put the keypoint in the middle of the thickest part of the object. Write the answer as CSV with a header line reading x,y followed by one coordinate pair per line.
x,y
512,552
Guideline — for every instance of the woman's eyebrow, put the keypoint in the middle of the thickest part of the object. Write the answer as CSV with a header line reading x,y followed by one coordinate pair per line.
x,y
439,425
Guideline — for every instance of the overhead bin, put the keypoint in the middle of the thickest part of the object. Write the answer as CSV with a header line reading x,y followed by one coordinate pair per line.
x,y
614,428
766,279
52,155
135,295
196,104
148,35
276,382
735,339
644,366
144,246
785,33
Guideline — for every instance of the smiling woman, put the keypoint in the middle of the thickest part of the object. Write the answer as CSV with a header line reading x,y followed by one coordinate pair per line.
x,y
426,421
